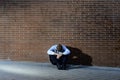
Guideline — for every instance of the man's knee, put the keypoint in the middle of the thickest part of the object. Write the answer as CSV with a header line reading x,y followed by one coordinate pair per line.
x,y
53,59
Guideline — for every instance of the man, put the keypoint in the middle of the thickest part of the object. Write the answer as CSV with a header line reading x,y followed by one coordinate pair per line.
x,y
58,55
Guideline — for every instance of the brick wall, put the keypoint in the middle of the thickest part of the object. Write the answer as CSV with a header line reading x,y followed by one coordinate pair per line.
x,y
29,27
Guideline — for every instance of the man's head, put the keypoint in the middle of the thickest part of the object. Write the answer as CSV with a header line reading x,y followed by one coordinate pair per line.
x,y
59,47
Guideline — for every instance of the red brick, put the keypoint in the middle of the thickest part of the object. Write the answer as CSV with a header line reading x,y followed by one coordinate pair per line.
x,y
28,29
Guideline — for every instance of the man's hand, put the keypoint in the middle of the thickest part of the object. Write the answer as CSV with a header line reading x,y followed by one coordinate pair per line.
x,y
59,55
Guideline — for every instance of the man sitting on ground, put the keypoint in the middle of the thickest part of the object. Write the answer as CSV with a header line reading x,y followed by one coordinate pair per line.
x,y
58,55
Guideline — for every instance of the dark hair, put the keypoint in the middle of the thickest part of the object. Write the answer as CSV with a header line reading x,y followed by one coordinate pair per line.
x,y
59,47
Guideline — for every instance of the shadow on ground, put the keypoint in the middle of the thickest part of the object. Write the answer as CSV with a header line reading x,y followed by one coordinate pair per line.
x,y
77,57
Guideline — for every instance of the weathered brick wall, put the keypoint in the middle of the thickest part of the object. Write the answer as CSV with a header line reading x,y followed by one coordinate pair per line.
x,y
29,27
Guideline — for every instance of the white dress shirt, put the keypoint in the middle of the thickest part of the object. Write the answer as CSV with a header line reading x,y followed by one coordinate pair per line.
x,y
53,50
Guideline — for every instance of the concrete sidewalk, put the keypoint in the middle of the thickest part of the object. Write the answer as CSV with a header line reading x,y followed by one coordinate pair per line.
x,y
13,70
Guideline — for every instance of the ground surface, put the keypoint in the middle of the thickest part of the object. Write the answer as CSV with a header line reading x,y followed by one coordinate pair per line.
x,y
13,70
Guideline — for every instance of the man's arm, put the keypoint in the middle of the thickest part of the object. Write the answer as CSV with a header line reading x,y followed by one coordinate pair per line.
x,y
51,51
66,50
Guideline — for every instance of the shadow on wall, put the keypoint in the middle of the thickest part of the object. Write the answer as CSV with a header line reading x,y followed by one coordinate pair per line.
x,y
78,58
